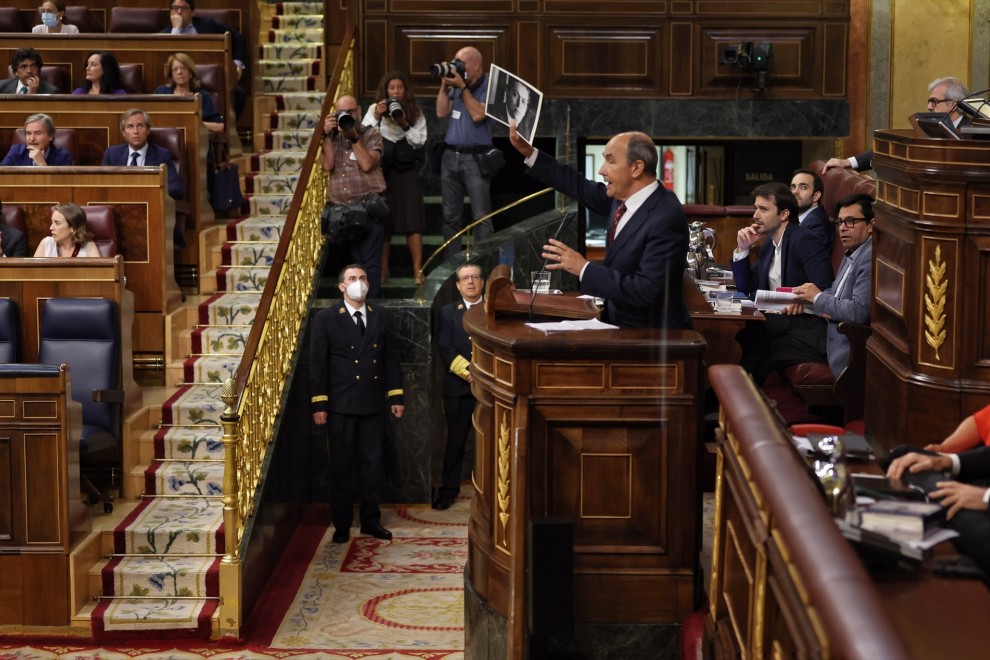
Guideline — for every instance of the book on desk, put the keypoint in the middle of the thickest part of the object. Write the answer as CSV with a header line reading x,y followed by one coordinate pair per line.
x,y
911,521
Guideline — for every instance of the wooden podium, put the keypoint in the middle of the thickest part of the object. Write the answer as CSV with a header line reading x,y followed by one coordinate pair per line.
x,y
599,428
930,349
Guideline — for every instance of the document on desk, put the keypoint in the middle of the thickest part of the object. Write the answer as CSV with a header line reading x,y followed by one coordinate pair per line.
x,y
570,326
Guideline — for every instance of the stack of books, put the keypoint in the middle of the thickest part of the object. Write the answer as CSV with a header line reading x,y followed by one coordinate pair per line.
x,y
907,521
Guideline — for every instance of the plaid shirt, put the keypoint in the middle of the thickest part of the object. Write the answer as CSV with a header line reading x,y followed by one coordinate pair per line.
x,y
348,183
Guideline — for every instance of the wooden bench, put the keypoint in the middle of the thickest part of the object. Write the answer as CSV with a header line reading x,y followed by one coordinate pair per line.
x,y
145,215
149,51
42,517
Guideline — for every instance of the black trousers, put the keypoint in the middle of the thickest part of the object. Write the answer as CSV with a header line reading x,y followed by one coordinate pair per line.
x,y
356,438
368,253
458,411
780,341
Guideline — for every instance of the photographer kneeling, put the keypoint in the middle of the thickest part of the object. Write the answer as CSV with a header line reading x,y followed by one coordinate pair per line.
x,y
352,156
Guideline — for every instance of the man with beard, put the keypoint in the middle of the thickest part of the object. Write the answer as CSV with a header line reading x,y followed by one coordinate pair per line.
x,y
808,189
789,257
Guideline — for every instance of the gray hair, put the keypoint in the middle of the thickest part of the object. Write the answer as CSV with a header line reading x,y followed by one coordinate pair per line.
x,y
955,90
639,147
130,113
46,122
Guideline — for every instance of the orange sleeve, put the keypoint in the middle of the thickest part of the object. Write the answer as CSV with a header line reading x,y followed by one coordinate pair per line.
x,y
982,419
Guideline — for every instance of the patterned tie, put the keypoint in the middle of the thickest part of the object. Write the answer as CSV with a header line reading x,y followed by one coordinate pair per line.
x,y
615,222
22,90
134,158
360,322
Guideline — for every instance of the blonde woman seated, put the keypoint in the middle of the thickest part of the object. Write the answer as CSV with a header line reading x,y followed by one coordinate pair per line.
x,y
182,79
70,235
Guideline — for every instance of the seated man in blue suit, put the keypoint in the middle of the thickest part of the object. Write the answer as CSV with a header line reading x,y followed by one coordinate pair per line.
x,y
40,149
791,256
642,276
136,127
808,189
849,298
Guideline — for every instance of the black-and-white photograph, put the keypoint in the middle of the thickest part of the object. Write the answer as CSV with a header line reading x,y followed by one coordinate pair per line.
x,y
510,97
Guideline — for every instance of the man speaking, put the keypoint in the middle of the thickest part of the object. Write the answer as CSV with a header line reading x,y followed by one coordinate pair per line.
x,y
642,276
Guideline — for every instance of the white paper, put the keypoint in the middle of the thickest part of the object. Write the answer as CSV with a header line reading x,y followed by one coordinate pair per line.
x,y
571,326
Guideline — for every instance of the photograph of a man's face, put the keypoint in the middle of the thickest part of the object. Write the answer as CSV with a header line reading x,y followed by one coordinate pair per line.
x,y
511,98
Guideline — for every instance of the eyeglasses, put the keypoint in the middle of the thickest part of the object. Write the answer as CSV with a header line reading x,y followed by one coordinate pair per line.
x,y
848,222
468,278
934,101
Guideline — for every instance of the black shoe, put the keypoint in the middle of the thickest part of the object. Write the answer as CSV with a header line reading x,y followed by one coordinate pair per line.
x,y
443,502
377,531
341,535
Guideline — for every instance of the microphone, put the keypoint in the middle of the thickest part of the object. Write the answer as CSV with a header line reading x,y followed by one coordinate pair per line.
x,y
543,269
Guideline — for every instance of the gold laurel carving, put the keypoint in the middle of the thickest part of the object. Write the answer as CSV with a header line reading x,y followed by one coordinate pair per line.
x,y
503,476
936,285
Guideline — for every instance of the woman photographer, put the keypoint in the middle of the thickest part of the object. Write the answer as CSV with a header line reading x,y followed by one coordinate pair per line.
x,y
403,128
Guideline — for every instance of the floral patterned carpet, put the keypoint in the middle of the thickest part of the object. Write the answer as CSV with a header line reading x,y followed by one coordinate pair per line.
x,y
366,599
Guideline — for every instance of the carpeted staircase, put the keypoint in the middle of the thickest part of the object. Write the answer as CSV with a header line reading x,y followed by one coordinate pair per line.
x,y
164,572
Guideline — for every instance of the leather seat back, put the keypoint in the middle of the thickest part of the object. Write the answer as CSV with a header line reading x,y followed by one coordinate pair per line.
x,y
9,342
85,334
101,222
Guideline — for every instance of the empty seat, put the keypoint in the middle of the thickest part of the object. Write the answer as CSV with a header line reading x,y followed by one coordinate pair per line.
x,y
85,334
211,78
65,138
136,20
228,17
101,222
9,333
132,78
10,20
13,216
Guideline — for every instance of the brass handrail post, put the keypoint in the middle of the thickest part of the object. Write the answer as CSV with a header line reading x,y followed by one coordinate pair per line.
x,y
230,565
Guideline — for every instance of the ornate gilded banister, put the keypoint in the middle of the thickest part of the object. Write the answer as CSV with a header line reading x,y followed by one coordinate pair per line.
x,y
257,389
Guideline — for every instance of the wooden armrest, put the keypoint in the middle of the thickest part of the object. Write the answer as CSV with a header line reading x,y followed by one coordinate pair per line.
x,y
108,396
850,386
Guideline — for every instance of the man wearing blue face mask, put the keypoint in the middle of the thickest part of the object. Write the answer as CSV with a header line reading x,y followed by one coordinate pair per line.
x,y
354,375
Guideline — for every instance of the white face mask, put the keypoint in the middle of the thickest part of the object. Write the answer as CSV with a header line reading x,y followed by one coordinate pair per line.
x,y
49,19
357,290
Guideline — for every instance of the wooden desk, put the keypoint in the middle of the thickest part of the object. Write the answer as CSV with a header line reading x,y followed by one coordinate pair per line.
x,y
42,515
719,330
600,428
145,216
150,51
785,583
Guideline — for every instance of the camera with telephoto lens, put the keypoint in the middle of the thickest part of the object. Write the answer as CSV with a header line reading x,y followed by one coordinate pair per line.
x,y
448,69
395,109
345,120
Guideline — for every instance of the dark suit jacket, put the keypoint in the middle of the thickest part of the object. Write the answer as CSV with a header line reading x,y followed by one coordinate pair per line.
x,y
803,257
974,463
9,86
453,342
13,242
209,25
18,155
119,154
351,374
642,277
818,224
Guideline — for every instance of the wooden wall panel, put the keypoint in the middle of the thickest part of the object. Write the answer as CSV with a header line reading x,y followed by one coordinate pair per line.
x,y
615,49
614,58
6,489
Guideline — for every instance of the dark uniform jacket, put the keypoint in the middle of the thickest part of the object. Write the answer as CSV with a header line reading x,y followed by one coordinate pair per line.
x,y
455,349
351,374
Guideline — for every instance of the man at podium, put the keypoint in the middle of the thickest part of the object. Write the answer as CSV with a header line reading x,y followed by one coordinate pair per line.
x,y
642,276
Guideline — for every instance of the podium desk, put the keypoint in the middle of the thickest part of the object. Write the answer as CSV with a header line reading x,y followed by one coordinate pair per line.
x,y
599,428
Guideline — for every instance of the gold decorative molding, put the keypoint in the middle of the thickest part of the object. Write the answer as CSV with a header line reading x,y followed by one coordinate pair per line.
x,y
936,285
503,477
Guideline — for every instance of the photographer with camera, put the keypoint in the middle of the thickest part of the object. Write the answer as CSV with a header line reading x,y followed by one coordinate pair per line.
x,y
462,96
352,157
403,128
